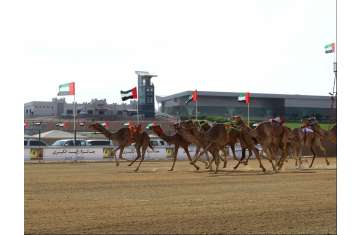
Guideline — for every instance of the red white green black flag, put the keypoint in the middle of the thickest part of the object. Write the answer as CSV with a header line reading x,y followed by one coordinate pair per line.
x,y
244,97
194,97
330,48
130,94
67,89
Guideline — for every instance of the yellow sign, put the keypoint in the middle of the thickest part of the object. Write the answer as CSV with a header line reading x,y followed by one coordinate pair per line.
x,y
108,152
169,152
36,154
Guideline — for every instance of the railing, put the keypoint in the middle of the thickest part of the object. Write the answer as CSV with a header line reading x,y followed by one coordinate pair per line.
x,y
103,153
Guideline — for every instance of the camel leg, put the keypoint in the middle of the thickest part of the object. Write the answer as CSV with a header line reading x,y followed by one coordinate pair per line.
x,y
284,153
258,158
210,161
314,155
142,157
116,160
299,153
197,157
323,151
270,158
175,157
217,160
243,154
204,151
189,157
247,159
137,157
233,152
282,159
225,157
296,156
120,155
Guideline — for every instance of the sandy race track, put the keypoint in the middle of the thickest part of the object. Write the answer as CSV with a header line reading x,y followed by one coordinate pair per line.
x,y
100,198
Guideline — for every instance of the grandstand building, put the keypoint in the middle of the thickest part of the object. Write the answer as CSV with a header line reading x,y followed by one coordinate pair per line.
x,y
262,106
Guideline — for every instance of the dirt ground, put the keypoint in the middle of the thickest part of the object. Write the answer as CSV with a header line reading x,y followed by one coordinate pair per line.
x,y
100,198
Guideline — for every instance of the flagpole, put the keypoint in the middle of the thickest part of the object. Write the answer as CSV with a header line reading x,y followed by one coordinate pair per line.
x,y
137,110
74,121
248,113
196,110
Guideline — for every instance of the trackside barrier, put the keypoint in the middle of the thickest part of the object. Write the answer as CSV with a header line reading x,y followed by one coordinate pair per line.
x,y
99,153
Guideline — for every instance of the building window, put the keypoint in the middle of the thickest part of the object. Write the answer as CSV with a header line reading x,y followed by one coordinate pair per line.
x,y
90,112
69,111
101,112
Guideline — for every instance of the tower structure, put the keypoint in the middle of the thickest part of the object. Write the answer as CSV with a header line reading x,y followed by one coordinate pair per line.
x,y
146,94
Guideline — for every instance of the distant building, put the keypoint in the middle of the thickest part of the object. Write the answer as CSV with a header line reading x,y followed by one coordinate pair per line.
x,y
94,108
262,106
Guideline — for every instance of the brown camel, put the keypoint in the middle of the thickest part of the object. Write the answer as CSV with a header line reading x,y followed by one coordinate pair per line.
x,y
273,137
215,139
219,136
124,137
313,141
233,136
142,140
296,145
240,124
176,140
186,130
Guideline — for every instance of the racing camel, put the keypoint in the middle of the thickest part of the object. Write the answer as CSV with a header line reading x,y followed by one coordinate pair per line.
x,y
216,138
272,137
126,136
186,130
312,140
176,140
240,124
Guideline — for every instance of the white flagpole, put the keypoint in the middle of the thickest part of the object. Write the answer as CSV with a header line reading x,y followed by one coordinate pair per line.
x,y
137,107
196,109
248,113
74,121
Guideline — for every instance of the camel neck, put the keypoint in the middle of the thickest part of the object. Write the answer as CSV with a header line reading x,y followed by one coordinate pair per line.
x,y
104,131
162,135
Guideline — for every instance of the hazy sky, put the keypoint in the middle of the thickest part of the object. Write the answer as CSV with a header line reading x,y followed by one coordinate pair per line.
x,y
267,46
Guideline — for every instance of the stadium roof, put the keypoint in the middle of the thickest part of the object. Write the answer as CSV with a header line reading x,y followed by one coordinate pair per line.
x,y
235,94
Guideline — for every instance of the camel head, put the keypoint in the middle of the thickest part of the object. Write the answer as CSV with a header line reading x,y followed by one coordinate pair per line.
x,y
177,125
95,126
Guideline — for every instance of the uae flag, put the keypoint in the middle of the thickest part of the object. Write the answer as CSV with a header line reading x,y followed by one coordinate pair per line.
x,y
105,124
244,97
330,48
130,94
194,97
67,89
